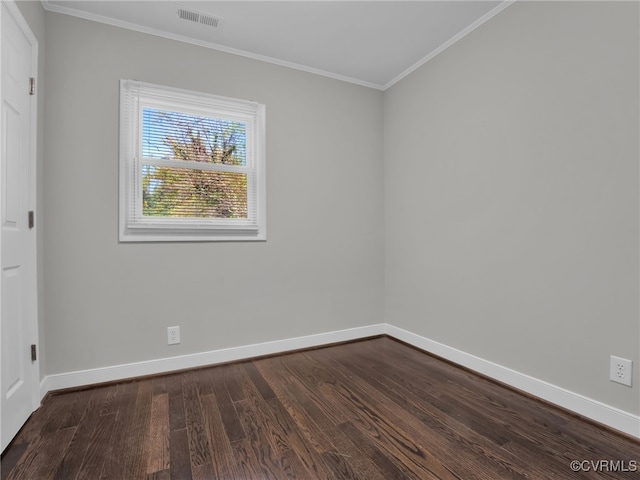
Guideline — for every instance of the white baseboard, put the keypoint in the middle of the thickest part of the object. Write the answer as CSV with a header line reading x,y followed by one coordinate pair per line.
x,y
612,417
163,365
615,418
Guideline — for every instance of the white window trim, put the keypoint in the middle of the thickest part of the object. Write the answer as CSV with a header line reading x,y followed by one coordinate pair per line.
x,y
133,227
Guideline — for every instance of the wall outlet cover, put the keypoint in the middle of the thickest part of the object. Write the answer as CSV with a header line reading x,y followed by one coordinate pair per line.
x,y
620,370
173,335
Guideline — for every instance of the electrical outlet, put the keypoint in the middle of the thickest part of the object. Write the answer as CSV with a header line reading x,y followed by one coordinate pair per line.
x,y
620,370
173,334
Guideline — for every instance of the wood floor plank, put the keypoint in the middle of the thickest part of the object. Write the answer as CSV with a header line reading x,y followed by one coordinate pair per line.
x,y
468,429
46,420
232,425
342,449
387,466
264,421
231,374
342,468
258,380
159,384
223,462
205,385
293,467
198,441
179,463
375,409
39,465
100,446
69,465
297,444
12,457
246,461
307,377
306,415
256,419
109,405
378,429
173,384
468,409
162,475
78,409
125,406
347,451
397,430
258,444
205,472
135,450
480,402
60,410
295,453
158,452
144,393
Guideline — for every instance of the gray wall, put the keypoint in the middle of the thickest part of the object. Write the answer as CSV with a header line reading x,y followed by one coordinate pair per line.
x,y
34,14
321,268
511,186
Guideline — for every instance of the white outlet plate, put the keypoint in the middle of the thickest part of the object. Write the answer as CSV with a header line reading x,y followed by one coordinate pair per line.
x,y
620,370
173,335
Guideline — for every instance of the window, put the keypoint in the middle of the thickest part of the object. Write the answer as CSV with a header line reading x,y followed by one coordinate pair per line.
x,y
192,166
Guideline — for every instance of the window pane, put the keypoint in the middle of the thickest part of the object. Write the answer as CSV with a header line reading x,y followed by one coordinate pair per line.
x,y
183,192
179,136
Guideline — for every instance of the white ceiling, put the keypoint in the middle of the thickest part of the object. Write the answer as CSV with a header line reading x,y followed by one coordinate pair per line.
x,y
372,43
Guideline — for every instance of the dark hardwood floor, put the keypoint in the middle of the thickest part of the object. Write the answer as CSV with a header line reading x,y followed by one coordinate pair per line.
x,y
371,410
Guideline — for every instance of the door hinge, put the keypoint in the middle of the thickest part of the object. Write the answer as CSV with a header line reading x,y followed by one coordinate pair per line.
x,y
33,353
31,219
32,86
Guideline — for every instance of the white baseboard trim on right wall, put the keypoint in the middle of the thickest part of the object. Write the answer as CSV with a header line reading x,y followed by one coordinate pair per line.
x,y
613,417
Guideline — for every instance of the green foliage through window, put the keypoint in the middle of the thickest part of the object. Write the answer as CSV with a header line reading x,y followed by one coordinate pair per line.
x,y
190,191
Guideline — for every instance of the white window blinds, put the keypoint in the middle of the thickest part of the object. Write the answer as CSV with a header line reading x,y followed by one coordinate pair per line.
x,y
192,165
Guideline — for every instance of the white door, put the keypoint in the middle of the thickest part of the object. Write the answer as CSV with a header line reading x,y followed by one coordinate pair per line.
x,y
17,239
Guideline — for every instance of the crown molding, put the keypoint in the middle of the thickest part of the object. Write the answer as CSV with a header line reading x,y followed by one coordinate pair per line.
x,y
486,17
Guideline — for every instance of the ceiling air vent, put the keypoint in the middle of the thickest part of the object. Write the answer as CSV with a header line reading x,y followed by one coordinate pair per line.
x,y
209,20
198,17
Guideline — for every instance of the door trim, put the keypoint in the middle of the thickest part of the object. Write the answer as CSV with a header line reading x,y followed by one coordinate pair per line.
x,y
32,314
